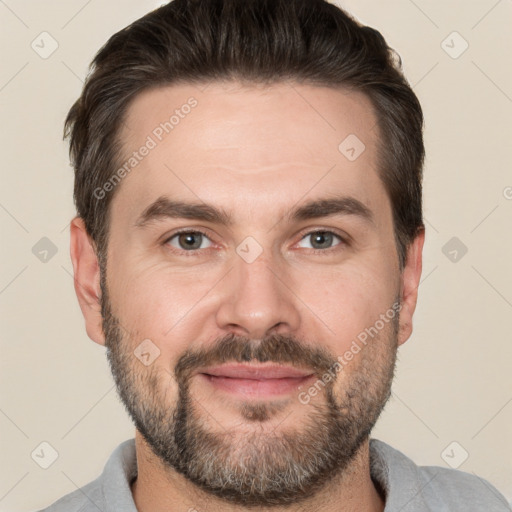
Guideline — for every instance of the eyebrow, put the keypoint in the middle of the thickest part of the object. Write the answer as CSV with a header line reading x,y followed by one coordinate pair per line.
x,y
165,207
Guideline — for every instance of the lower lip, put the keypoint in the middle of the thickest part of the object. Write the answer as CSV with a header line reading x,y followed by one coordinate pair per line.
x,y
252,387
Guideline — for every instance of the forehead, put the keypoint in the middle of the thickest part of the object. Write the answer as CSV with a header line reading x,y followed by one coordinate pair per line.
x,y
250,146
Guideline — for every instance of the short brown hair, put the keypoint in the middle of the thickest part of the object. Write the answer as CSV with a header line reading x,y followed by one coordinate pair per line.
x,y
259,41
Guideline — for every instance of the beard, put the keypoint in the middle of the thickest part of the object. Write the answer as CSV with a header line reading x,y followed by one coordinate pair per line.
x,y
259,467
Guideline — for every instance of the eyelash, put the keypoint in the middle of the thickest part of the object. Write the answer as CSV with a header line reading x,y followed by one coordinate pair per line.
x,y
343,241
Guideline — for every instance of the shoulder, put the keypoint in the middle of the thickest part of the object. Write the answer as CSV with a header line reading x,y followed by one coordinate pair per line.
x,y
110,489
445,486
428,488
86,499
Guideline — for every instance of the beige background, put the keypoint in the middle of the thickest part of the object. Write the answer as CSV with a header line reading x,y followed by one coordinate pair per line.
x,y
453,377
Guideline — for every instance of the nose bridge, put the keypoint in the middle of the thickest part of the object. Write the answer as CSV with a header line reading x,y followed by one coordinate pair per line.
x,y
257,299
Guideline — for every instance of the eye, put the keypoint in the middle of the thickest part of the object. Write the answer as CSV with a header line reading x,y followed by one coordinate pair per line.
x,y
188,240
321,240
191,241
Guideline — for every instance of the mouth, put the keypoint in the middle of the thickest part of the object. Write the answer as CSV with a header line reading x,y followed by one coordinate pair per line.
x,y
256,380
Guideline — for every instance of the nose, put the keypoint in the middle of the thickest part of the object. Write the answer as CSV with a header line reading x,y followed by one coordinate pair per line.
x,y
257,300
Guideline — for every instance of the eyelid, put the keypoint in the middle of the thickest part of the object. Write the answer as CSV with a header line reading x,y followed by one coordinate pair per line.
x,y
186,229
342,235
345,238
202,231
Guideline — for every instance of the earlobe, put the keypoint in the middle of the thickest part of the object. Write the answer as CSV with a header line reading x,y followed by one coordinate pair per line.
x,y
410,281
86,279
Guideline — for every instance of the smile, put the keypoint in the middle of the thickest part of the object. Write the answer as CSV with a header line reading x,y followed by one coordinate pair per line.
x,y
260,380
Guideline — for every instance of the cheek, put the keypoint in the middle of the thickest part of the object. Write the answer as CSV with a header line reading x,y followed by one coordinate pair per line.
x,y
346,301
163,305
176,309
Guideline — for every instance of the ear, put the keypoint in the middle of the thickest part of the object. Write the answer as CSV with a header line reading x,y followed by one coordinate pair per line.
x,y
410,281
87,279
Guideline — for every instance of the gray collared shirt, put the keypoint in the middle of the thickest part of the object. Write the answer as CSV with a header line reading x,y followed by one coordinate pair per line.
x,y
408,487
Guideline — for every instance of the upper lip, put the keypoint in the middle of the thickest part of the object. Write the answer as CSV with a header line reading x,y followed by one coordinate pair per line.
x,y
241,371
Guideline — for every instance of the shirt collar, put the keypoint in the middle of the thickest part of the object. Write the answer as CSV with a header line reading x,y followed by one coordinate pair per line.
x,y
398,476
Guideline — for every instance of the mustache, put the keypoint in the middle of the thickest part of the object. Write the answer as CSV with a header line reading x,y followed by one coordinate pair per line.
x,y
275,348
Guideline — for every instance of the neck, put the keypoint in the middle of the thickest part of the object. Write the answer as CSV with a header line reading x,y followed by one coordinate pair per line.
x,y
160,489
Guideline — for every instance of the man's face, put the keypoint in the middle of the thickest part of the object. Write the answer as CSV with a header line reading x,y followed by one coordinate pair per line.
x,y
257,286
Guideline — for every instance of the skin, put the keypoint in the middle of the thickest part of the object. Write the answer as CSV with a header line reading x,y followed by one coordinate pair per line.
x,y
258,153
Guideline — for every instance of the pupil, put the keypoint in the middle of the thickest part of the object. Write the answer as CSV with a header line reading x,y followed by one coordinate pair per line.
x,y
187,240
322,237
